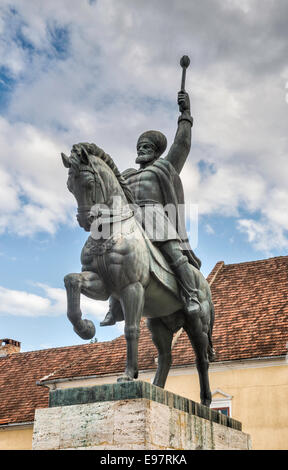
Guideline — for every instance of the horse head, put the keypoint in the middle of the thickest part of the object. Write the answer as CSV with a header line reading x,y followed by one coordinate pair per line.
x,y
84,182
94,180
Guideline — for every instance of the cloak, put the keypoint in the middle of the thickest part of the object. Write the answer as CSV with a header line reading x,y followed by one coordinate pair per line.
x,y
172,189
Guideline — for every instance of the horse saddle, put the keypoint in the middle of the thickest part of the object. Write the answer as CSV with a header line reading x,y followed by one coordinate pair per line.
x,y
162,295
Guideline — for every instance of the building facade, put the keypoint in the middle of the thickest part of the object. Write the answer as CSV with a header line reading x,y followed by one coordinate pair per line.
x,y
248,378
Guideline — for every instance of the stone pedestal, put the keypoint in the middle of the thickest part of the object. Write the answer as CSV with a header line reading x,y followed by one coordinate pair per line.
x,y
132,416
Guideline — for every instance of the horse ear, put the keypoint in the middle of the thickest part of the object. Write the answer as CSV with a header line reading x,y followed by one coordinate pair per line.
x,y
65,160
84,156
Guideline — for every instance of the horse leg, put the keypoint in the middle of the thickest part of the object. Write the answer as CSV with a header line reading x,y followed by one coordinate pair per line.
x,y
132,302
199,340
162,338
90,285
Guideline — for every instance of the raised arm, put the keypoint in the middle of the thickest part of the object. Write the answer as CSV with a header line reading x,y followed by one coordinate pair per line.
x,y
180,148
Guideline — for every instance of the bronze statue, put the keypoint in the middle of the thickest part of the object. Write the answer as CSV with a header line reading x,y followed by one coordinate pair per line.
x,y
144,270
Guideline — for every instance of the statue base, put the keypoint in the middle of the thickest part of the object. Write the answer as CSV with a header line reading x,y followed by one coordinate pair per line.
x,y
132,416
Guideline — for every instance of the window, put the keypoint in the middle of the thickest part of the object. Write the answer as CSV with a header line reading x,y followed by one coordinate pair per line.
x,y
224,410
221,401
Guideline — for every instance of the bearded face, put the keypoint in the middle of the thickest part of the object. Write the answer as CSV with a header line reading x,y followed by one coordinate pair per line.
x,y
146,152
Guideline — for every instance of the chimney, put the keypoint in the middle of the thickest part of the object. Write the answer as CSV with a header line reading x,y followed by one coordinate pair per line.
x,y
9,346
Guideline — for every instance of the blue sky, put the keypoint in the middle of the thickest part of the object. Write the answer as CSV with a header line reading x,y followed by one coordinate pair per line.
x,y
105,71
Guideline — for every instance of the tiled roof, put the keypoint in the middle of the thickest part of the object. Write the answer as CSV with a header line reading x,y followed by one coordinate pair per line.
x,y
251,309
106,358
19,372
19,394
251,321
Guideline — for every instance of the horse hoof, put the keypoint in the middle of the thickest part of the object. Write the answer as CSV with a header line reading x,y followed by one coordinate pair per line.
x,y
125,378
86,330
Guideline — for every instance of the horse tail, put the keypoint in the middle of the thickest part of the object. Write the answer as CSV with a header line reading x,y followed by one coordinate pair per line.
x,y
211,351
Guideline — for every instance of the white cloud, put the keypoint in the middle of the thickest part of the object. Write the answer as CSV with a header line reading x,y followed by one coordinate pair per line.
x,y
225,190
270,231
209,229
8,193
13,302
111,83
263,235
33,189
52,303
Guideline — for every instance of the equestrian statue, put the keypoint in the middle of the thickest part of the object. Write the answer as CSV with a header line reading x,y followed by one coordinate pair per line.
x,y
138,254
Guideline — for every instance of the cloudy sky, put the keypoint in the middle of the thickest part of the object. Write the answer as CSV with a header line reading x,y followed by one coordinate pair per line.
x,y
104,71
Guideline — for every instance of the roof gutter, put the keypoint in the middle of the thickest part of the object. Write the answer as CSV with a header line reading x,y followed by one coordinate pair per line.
x,y
95,376
14,425
72,379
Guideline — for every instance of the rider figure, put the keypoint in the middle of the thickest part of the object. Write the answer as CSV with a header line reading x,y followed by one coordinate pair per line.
x,y
154,185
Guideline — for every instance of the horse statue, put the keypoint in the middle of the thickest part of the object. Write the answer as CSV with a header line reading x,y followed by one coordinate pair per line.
x,y
125,264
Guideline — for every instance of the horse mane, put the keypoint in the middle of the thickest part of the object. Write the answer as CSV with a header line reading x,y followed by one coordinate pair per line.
x,y
93,149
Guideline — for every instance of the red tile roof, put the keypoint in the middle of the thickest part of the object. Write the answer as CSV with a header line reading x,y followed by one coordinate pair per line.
x,y
251,321
19,395
251,309
19,372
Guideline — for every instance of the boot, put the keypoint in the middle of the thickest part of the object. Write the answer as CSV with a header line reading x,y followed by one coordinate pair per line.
x,y
114,313
186,281
108,320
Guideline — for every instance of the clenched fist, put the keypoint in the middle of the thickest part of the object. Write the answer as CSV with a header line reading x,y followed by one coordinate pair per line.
x,y
183,101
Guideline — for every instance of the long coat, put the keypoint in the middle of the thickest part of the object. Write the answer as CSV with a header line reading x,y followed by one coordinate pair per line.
x,y
171,186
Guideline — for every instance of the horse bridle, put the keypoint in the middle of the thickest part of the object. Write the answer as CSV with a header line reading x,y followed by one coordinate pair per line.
x,y
110,216
97,182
